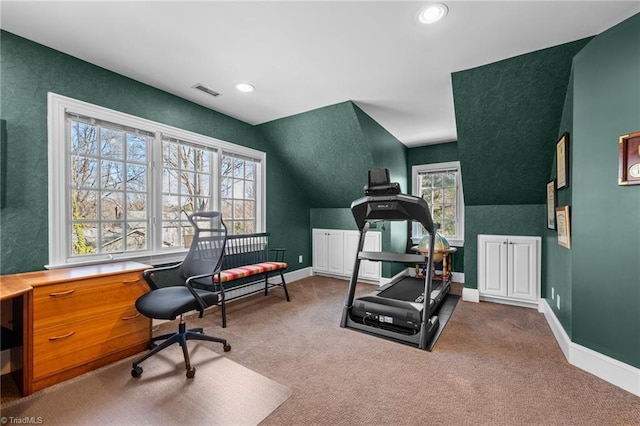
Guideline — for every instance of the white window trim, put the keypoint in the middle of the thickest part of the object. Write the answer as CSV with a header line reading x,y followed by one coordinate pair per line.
x,y
58,153
438,167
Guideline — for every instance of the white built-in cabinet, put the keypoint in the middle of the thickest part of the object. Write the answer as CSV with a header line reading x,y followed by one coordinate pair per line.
x,y
509,268
334,252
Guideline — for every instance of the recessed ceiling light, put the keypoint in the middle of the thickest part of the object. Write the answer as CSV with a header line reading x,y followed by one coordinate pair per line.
x,y
245,87
433,13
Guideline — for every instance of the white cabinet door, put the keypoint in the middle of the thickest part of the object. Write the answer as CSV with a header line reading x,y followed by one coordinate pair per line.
x,y
523,274
335,252
351,240
492,265
320,244
368,269
372,242
509,267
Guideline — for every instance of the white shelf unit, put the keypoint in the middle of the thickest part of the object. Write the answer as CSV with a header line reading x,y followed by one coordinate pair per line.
x,y
334,253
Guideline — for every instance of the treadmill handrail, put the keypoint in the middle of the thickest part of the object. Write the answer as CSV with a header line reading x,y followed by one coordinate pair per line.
x,y
382,256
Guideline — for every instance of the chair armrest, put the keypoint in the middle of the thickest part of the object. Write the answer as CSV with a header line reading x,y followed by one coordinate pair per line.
x,y
195,294
147,274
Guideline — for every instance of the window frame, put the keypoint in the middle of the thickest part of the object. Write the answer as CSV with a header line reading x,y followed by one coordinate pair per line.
x,y
59,176
458,240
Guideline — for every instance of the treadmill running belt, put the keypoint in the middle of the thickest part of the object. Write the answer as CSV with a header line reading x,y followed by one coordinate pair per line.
x,y
408,289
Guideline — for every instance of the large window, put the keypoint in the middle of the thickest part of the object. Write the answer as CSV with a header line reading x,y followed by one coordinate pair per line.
x,y
440,185
120,187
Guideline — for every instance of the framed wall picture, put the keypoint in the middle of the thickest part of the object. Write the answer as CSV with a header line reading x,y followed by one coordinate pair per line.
x,y
563,224
562,161
629,162
552,203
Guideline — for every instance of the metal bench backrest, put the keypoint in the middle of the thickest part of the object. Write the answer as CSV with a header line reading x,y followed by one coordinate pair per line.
x,y
245,249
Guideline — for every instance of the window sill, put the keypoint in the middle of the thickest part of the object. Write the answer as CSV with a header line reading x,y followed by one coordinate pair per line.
x,y
148,259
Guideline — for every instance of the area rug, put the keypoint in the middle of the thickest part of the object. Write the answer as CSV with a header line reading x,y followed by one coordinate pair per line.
x,y
221,393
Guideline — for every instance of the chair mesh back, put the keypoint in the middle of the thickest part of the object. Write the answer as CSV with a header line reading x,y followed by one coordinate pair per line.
x,y
207,248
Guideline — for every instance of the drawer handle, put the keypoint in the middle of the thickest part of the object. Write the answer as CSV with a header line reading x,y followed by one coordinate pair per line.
x,y
131,317
62,293
136,281
64,336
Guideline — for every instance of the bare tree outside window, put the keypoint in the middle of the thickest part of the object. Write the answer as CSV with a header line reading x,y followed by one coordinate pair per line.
x,y
109,176
238,194
439,190
186,187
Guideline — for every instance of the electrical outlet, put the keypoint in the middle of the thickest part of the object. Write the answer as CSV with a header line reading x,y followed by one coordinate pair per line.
x,y
553,293
300,259
558,302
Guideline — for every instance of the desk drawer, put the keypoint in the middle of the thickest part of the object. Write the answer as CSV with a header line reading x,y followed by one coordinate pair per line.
x,y
64,346
76,300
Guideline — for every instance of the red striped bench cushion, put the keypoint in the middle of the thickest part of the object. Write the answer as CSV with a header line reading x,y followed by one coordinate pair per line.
x,y
248,270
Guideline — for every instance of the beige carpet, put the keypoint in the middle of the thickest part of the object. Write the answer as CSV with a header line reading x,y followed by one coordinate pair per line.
x,y
222,393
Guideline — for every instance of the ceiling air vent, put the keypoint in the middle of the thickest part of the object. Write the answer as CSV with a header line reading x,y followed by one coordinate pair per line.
x,y
205,89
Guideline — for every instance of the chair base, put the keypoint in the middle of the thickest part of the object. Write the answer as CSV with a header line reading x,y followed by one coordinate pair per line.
x,y
181,338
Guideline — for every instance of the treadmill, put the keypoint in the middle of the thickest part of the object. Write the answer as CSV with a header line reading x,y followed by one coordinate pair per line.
x,y
404,309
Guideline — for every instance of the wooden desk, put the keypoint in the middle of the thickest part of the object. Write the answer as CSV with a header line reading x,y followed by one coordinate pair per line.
x,y
78,319
13,288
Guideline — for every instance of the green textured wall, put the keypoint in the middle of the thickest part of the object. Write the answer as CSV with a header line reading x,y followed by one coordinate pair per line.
x,y
429,154
605,216
389,153
339,218
507,117
556,260
329,152
325,152
29,71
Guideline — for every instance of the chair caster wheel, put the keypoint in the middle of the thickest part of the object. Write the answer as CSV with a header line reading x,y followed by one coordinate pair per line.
x,y
191,372
152,345
227,348
136,372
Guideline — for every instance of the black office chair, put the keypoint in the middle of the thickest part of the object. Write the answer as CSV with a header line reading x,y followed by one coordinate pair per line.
x,y
202,262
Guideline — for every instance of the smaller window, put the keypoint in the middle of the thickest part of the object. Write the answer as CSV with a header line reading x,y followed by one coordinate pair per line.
x,y
440,184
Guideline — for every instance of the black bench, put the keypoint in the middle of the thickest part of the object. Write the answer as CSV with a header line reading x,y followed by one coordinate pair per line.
x,y
245,259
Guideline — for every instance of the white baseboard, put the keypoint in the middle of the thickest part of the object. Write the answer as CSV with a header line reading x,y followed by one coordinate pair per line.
x,y
457,277
298,274
470,295
512,302
608,369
